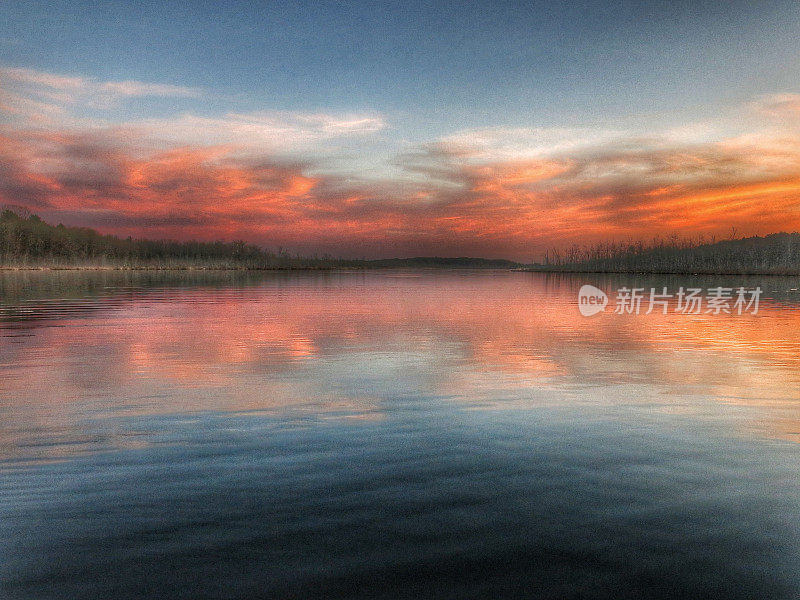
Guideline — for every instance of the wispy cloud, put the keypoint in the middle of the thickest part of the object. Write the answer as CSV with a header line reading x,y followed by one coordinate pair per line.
x,y
779,105
500,143
36,99
270,130
39,97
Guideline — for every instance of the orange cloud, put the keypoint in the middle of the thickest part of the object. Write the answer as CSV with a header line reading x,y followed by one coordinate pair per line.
x,y
445,201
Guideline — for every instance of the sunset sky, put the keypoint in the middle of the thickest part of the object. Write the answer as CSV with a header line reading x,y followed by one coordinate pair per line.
x,y
400,129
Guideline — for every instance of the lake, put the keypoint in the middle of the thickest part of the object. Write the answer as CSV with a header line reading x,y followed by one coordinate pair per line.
x,y
393,434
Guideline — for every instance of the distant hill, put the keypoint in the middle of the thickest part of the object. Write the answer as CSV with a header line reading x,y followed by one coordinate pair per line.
x,y
462,262
777,254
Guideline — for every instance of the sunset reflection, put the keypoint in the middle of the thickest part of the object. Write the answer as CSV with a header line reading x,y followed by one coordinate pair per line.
x,y
348,343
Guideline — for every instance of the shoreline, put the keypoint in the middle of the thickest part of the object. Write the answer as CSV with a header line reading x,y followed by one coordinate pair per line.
x,y
332,268
105,268
664,272
260,269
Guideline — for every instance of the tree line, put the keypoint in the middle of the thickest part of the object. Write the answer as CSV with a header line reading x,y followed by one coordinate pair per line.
x,y
778,253
26,240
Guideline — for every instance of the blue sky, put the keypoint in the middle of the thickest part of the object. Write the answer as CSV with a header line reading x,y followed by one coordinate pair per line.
x,y
433,66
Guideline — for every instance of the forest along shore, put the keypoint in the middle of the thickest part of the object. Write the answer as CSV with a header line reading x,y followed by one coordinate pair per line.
x,y
28,242
775,254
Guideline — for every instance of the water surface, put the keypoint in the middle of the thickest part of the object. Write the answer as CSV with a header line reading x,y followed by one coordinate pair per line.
x,y
398,434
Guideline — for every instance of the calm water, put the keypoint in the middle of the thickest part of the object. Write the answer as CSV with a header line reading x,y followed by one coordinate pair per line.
x,y
392,435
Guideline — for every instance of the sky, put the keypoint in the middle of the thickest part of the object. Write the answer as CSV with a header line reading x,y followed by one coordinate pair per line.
x,y
494,129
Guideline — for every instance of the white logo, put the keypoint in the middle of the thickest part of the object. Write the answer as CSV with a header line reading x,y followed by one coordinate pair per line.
x,y
591,300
